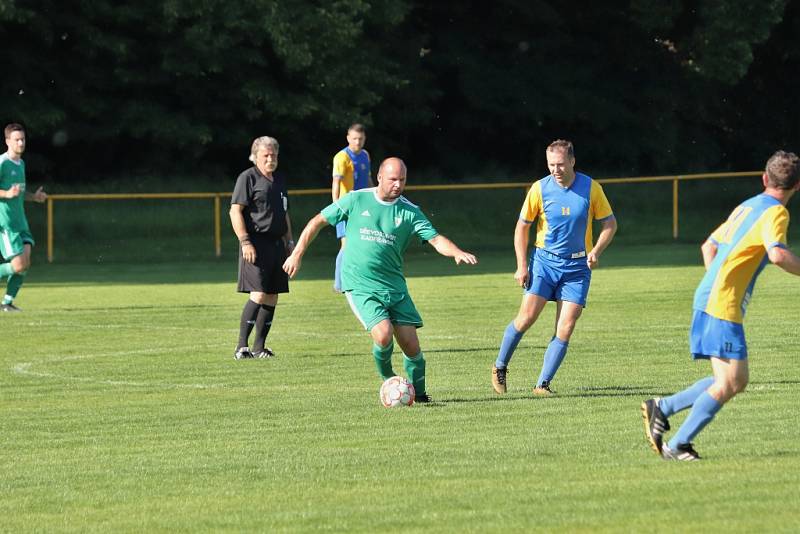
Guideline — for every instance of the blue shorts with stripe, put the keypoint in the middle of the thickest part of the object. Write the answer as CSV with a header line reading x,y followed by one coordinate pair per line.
x,y
710,336
556,278
341,227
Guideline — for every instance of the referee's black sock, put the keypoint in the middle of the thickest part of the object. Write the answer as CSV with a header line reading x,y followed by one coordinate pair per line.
x,y
263,324
247,321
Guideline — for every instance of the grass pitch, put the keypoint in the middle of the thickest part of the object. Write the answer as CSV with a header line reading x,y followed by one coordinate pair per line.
x,y
121,408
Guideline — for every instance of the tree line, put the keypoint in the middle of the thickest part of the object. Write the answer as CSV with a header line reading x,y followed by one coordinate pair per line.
x,y
462,90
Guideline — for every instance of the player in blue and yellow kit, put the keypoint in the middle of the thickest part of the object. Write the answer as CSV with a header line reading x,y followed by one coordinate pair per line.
x,y
351,172
564,204
734,255
16,240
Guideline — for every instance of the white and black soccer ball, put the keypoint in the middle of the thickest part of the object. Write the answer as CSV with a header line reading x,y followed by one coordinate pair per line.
x,y
397,391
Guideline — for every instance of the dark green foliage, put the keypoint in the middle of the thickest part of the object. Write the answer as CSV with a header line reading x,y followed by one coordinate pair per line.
x,y
462,90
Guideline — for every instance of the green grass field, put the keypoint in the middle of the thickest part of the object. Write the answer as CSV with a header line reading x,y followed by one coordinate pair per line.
x,y
121,408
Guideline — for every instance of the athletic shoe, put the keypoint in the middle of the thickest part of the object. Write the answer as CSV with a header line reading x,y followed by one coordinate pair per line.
x,y
9,308
543,390
422,398
242,353
264,353
499,380
655,424
683,453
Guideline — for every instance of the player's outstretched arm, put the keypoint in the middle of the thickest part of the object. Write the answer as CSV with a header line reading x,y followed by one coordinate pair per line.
x,y
445,247
607,231
521,237
785,259
292,263
39,196
709,251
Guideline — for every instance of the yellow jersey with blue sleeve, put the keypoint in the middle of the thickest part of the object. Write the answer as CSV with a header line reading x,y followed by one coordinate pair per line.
x,y
353,170
564,215
743,240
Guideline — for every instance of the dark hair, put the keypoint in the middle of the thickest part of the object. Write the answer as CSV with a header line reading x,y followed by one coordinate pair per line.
x,y
562,144
783,170
357,127
14,127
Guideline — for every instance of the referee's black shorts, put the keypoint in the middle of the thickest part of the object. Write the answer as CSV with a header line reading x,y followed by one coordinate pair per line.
x,y
266,274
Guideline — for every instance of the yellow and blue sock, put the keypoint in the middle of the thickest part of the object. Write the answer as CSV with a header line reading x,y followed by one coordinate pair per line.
x,y
553,357
684,399
703,411
511,338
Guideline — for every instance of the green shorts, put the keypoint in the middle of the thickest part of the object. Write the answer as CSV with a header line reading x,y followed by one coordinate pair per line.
x,y
372,308
13,243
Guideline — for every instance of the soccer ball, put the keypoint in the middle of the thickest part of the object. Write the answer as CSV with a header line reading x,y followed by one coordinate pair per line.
x,y
397,391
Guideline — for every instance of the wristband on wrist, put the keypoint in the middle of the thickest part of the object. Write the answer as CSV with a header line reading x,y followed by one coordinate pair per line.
x,y
244,240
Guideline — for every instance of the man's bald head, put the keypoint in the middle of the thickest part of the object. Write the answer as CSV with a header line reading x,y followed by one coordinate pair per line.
x,y
393,165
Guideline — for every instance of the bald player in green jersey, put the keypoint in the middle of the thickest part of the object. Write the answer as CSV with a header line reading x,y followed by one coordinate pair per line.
x,y
380,224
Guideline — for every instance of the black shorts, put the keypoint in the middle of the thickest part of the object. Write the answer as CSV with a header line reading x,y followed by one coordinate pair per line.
x,y
266,274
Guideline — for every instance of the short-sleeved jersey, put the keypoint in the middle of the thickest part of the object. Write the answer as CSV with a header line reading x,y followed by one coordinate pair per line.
x,y
378,234
564,215
352,169
12,210
743,240
266,202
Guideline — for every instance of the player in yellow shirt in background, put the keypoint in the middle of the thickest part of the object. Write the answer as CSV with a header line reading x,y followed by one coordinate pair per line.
x,y
351,172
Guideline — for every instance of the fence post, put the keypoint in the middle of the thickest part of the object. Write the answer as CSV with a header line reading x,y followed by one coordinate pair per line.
x,y
49,229
217,234
675,207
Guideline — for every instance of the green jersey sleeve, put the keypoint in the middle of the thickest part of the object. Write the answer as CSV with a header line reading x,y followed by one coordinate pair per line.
x,y
423,227
339,210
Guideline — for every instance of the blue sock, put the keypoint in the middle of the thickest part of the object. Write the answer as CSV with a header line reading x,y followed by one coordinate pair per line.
x,y
553,357
703,411
510,341
684,399
337,274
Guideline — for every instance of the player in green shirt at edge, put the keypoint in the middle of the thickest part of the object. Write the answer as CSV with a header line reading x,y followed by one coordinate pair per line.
x,y
380,223
16,240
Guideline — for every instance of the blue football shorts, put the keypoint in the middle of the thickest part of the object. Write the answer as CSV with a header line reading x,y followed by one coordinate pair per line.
x,y
556,278
710,336
340,229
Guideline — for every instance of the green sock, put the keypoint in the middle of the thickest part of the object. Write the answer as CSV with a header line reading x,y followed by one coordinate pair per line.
x,y
6,269
415,369
12,288
383,359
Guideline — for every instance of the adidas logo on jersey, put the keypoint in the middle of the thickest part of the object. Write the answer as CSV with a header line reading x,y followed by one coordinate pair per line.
x,y
365,213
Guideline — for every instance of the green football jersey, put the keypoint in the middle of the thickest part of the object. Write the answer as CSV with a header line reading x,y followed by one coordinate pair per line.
x,y
377,234
12,210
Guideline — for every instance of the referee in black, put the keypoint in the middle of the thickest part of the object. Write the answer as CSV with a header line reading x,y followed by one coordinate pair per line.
x,y
260,219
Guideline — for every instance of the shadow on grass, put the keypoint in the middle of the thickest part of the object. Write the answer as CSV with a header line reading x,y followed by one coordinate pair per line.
x,y
420,262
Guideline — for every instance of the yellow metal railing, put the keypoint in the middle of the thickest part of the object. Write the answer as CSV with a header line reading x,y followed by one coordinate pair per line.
x,y
217,197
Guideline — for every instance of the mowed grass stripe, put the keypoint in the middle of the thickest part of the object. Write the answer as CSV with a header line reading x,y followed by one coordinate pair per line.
x,y
114,437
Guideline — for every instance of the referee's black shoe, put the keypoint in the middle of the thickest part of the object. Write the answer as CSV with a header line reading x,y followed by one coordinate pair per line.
x,y
266,352
242,353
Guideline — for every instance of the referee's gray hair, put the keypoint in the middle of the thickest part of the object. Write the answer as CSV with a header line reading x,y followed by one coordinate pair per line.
x,y
263,142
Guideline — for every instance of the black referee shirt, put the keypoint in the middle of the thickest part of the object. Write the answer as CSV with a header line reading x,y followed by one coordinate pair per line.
x,y
265,202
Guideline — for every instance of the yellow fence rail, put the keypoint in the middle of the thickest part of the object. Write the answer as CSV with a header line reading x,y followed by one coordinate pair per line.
x,y
217,198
